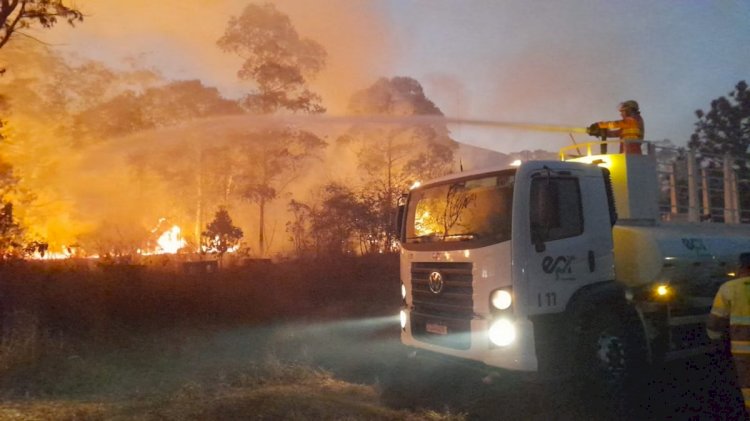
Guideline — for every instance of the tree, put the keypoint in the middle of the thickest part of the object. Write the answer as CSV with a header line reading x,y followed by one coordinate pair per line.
x,y
221,235
276,59
10,232
343,221
16,15
276,157
393,156
725,129
298,228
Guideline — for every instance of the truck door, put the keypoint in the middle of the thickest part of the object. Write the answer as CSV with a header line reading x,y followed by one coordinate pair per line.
x,y
571,237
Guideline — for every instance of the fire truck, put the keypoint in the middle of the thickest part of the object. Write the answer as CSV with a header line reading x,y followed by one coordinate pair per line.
x,y
565,267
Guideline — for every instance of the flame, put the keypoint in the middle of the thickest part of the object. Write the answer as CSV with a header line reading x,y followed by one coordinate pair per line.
x,y
170,241
66,253
208,248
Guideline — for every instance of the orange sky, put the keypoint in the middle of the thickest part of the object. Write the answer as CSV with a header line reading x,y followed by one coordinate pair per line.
x,y
180,40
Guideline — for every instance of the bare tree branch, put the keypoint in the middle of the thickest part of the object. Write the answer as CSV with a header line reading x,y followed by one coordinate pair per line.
x,y
20,14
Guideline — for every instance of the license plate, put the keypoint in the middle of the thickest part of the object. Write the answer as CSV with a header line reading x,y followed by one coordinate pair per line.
x,y
436,329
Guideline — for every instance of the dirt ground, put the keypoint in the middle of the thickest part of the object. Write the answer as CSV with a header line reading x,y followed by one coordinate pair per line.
x,y
369,351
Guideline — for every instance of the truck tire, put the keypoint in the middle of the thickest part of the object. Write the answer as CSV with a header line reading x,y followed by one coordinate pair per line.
x,y
611,352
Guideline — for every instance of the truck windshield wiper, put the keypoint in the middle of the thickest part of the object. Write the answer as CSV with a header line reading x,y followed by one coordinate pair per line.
x,y
465,236
434,236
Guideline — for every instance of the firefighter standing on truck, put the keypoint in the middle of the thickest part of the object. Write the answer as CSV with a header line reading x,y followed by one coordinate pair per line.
x,y
629,129
730,317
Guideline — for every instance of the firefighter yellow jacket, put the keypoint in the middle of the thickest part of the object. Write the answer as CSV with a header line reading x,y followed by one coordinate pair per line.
x,y
629,128
730,315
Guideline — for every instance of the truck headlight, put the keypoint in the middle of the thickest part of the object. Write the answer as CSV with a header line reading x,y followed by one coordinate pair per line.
x,y
662,290
402,315
501,299
502,332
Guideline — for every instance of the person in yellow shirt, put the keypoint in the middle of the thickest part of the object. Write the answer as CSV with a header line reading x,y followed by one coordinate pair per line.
x,y
730,319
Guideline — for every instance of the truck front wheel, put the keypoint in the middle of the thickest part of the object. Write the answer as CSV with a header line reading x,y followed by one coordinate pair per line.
x,y
611,353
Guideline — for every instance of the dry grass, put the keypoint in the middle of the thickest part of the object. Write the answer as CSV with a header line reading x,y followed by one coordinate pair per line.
x,y
25,342
269,391
53,411
275,392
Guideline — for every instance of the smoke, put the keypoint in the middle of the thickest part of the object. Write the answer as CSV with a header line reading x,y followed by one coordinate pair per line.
x,y
179,39
173,36
448,92
357,37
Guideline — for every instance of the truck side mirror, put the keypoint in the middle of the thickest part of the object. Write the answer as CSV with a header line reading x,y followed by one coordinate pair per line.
x,y
400,215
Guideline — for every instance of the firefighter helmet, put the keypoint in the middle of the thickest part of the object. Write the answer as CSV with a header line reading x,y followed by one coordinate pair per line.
x,y
629,105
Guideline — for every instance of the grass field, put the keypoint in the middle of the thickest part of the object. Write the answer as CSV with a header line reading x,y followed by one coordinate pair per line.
x,y
232,375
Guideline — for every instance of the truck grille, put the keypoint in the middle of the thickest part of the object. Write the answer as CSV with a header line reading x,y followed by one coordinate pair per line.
x,y
442,318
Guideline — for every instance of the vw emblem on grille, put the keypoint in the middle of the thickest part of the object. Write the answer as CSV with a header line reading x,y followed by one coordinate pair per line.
x,y
436,282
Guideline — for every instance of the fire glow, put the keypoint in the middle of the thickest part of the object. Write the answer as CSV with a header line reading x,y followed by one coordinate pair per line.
x,y
66,253
171,241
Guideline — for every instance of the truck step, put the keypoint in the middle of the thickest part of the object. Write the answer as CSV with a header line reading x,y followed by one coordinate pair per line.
x,y
691,352
688,320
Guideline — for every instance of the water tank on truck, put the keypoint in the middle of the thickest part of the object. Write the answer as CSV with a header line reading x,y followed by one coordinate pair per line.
x,y
649,250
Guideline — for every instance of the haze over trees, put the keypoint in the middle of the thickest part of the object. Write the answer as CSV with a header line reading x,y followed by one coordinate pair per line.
x,y
44,91
276,59
393,156
155,107
279,63
15,16
274,159
189,169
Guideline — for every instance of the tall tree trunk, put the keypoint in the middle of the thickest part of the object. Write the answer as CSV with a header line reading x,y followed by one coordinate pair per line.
x,y
261,227
228,190
389,212
199,205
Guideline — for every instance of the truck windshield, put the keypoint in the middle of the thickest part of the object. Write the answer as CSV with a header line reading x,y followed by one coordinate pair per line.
x,y
463,210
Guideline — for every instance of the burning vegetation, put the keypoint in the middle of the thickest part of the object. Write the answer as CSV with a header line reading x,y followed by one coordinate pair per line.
x,y
92,156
